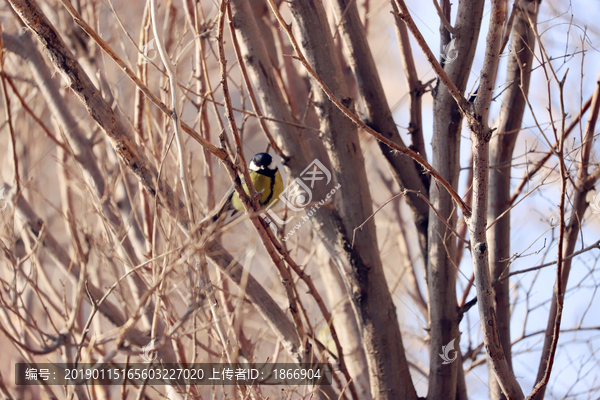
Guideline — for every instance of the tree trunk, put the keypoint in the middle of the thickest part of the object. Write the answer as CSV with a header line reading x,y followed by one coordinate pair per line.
x,y
441,271
371,298
501,153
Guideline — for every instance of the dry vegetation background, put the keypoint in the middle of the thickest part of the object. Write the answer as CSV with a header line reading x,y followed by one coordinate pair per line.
x,y
78,218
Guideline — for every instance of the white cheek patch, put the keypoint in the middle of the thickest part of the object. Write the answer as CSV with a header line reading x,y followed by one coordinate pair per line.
x,y
253,166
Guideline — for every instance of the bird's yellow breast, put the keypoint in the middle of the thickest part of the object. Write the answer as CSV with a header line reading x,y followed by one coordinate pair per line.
x,y
269,187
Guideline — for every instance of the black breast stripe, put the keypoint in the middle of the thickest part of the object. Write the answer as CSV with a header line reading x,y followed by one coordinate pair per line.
x,y
271,193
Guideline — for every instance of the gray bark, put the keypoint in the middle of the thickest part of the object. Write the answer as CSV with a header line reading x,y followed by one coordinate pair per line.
x,y
372,301
441,271
344,320
379,116
501,153
481,135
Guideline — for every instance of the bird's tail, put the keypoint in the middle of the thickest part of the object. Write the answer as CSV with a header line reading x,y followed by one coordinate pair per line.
x,y
219,214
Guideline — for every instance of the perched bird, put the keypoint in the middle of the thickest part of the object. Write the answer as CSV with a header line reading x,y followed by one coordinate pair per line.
x,y
267,182
266,179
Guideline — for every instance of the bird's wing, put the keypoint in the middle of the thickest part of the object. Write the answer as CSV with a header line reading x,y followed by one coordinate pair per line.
x,y
224,205
222,208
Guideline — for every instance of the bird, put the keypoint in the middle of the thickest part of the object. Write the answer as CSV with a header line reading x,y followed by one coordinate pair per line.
x,y
267,182
266,179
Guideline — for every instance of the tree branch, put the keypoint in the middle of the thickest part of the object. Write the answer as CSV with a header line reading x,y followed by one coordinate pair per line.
x,y
502,145
477,222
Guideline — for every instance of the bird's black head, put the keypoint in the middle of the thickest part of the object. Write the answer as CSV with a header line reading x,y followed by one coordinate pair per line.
x,y
263,164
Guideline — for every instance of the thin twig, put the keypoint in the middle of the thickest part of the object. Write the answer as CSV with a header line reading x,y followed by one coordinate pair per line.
x,y
9,121
219,153
248,83
575,254
426,200
549,153
35,117
443,19
175,115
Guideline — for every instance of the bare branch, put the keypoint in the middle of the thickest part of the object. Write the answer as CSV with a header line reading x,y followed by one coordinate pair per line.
x,y
477,223
501,154
443,19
